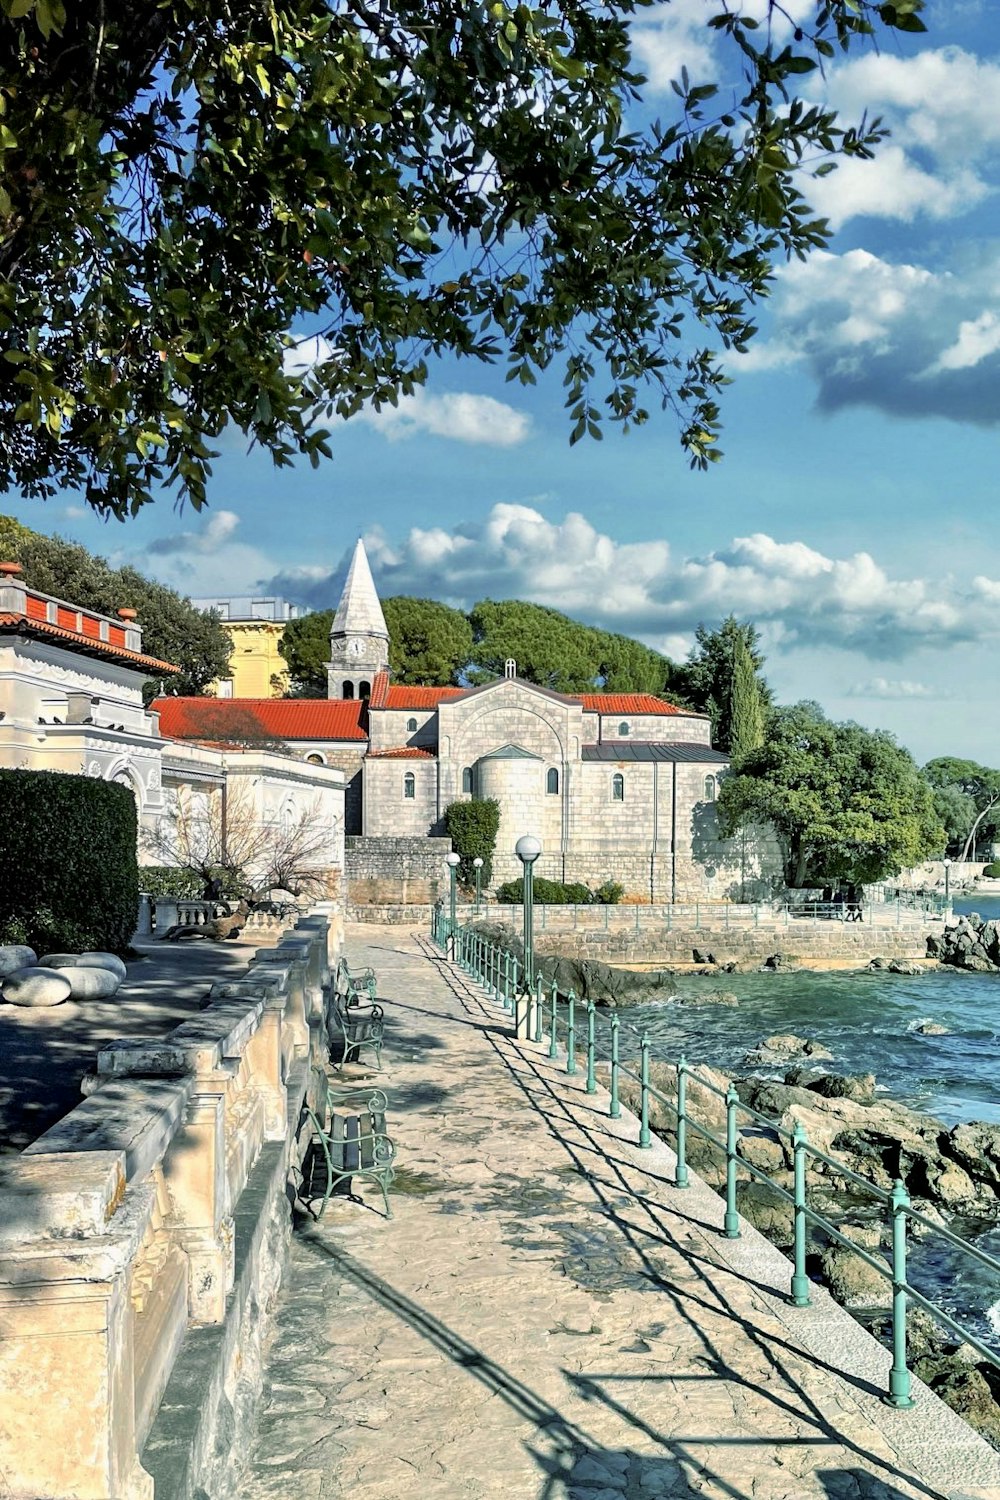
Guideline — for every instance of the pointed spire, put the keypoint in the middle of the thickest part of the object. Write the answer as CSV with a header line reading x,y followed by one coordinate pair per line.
x,y
359,611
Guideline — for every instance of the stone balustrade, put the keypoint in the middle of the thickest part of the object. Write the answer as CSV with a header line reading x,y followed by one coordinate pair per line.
x,y
155,1211
159,913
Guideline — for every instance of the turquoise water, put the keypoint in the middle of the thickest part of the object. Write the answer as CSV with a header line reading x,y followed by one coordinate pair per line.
x,y
867,1020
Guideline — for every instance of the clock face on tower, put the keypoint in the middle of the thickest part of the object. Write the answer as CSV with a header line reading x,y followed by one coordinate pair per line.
x,y
354,648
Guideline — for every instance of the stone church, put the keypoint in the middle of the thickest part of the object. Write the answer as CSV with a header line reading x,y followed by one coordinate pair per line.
x,y
617,786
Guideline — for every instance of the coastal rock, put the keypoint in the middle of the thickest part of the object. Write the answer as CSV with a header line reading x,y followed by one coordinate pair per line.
x,y
860,1087
852,1281
976,1147
969,1390
16,956
708,997
903,966
970,944
35,988
698,957
767,1211
588,978
778,962
931,1028
774,1050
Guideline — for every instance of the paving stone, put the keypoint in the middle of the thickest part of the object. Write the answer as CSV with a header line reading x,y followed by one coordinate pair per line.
x,y
549,1322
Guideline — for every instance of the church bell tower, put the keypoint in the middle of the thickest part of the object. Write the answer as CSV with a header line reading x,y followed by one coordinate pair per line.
x,y
359,640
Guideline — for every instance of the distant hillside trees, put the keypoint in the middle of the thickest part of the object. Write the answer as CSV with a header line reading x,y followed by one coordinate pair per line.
x,y
722,678
172,629
967,800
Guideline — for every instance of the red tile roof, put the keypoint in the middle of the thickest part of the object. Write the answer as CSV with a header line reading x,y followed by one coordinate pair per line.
x,y
628,703
402,696
402,752
216,719
33,622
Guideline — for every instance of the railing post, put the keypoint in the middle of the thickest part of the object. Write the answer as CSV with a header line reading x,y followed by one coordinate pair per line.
x,y
506,979
615,1111
571,1032
513,995
645,1139
899,1376
536,1030
681,1171
553,1020
591,1047
800,1281
731,1222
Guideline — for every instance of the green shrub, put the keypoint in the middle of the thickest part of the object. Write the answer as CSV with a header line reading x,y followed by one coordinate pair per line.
x,y
472,828
559,893
69,878
187,884
992,871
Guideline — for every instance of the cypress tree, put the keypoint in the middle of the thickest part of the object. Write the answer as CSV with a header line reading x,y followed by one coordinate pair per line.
x,y
746,707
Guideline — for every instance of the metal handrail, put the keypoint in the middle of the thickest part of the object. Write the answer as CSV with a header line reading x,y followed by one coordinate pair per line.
x,y
482,960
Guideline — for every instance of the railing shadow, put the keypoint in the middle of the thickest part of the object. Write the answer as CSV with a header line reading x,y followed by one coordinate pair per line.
x,y
557,1112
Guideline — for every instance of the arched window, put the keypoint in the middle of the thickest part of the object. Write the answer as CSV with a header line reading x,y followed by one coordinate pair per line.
x,y
623,730
618,787
411,725
467,780
316,759
364,689
409,786
710,786
348,689
552,782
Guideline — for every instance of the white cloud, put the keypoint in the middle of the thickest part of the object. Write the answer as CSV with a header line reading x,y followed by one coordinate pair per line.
x,y
205,561
895,336
892,689
939,106
800,597
458,415
217,530
674,36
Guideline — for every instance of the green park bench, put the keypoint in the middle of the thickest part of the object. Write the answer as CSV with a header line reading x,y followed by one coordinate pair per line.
x,y
352,986
348,1140
357,1028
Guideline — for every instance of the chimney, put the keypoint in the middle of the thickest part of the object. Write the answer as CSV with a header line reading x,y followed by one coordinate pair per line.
x,y
13,594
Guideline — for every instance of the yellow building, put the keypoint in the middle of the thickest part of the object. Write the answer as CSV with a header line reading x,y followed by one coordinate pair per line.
x,y
255,626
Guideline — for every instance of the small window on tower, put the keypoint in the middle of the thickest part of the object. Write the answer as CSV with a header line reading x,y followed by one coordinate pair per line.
x,y
552,783
409,786
618,787
467,780
623,730
710,788
364,689
348,689
411,725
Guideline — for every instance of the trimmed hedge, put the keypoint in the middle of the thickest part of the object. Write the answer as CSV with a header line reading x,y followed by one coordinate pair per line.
x,y
69,878
559,893
992,871
472,828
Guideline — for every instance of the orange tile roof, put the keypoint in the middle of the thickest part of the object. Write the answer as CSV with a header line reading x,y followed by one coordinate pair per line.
x,y
214,719
33,622
403,696
402,752
629,703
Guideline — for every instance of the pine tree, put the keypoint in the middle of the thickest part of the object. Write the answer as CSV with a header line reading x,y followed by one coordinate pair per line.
x,y
746,706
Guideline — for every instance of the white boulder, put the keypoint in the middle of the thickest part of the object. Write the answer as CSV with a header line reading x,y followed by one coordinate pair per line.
x,y
58,960
16,956
36,987
86,982
104,961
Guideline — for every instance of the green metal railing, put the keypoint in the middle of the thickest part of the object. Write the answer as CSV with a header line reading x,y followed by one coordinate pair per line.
x,y
484,961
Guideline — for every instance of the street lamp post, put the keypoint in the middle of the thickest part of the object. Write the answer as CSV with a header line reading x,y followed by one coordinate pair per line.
x,y
947,882
477,865
453,861
527,849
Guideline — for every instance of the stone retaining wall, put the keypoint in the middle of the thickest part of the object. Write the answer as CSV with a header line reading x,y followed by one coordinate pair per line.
x,y
390,871
815,940
142,1240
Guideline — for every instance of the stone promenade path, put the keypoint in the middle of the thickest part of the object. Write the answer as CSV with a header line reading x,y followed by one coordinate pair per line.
x,y
547,1318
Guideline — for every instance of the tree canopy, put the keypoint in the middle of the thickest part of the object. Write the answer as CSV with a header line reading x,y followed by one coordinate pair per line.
x,y
707,681
428,642
305,645
172,629
185,187
849,803
965,796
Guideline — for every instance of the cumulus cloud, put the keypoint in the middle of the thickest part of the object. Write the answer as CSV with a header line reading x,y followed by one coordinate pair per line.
x,y
800,596
675,36
218,530
891,689
892,335
939,105
458,415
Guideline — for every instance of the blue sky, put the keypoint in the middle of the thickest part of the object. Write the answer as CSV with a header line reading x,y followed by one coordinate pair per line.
x,y
854,517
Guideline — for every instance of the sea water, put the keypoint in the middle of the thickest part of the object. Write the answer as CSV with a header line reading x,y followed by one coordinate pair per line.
x,y
868,1021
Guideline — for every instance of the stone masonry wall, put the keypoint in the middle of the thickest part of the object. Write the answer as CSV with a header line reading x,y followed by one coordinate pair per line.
x,y
391,871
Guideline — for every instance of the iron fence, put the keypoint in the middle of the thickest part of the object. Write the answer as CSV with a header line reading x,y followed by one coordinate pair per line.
x,y
526,1001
